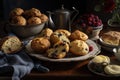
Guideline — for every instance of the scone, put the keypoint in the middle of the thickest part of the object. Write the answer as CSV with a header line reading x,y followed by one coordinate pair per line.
x,y
33,12
58,36
43,18
19,20
79,47
34,20
40,45
78,35
45,33
111,38
58,51
16,12
10,44
66,32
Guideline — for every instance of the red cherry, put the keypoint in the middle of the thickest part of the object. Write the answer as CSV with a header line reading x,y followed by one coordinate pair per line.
x,y
90,48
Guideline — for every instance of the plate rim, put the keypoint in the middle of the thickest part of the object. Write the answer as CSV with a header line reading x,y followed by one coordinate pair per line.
x,y
89,55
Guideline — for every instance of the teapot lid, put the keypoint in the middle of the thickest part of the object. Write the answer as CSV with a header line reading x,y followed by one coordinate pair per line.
x,y
62,10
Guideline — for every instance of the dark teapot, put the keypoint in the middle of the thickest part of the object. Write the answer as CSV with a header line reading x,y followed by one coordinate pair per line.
x,y
61,18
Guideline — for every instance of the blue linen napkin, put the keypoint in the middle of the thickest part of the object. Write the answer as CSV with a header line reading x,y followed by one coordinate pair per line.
x,y
21,63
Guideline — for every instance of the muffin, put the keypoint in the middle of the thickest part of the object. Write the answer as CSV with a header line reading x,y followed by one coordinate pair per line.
x,y
18,20
43,18
58,51
10,44
58,36
16,12
33,12
111,38
79,48
45,33
40,45
78,35
34,20
66,32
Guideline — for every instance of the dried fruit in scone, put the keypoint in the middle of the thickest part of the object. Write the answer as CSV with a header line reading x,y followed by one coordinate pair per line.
x,y
58,51
40,45
43,18
46,33
66,32
16,12
59,36
10,44
78,35
79,47
19,20
34,20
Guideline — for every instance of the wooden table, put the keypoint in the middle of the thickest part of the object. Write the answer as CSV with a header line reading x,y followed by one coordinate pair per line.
x,y
68,70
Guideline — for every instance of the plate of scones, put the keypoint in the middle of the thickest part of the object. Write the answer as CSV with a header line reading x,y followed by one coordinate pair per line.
x,y
62,46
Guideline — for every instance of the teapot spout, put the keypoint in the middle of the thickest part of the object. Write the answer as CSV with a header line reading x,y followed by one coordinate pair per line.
x,y
50,23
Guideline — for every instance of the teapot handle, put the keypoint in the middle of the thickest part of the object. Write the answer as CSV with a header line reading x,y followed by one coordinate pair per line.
x,y
50,21
77,12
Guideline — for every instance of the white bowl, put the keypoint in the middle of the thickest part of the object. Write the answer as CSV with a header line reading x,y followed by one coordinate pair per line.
x,y
27,30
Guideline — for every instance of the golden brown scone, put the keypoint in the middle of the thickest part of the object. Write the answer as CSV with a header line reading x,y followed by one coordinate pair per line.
x,y
16,12
66,32
79,47
10,44
34,20
46,33
18,20
78,35
58,36
33,12
111,37
43,18
40,45
58,51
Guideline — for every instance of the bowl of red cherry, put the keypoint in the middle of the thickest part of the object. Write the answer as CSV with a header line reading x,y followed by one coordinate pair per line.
x,y
90,24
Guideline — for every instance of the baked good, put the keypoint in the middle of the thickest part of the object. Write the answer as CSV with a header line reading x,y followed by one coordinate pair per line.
x,y
58,36
78,35
16,12
34,20
112,69
45,33
66,32
18,20
33,12
111,38
79,47
10,44
43,18
58,51
101,59
40,45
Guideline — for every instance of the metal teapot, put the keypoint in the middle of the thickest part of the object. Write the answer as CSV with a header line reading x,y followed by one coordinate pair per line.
x,y
61,18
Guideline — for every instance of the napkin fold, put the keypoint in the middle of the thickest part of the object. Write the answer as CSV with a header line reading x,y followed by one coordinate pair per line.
x,y
19,64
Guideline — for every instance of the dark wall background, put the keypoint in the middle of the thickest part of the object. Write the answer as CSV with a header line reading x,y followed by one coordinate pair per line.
x,y
44,5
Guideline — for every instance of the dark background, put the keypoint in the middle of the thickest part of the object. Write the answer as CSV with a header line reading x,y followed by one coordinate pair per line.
x,y
43,5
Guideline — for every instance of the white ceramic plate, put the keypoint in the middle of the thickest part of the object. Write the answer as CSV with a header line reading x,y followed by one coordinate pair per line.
x,y
113,61
96,50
